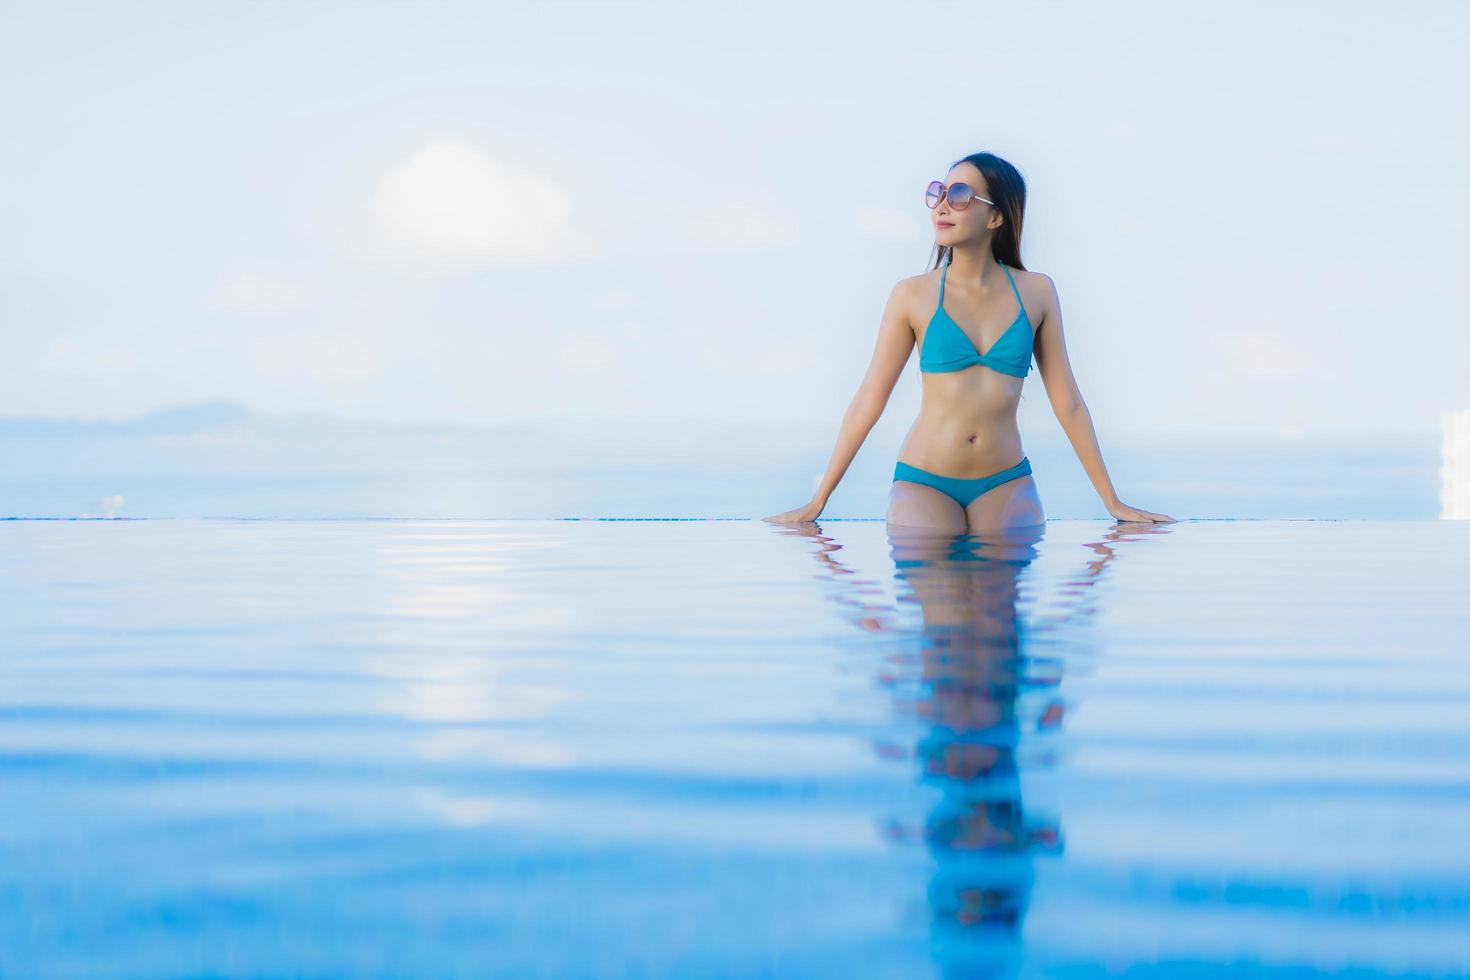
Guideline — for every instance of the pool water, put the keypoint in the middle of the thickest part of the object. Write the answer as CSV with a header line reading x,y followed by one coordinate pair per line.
x,y
729,749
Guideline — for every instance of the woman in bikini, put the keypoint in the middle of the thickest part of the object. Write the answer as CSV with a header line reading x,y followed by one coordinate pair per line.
x,y
961,467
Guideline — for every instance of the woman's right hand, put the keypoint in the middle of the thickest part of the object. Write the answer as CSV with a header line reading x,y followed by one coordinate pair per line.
x,y
801,515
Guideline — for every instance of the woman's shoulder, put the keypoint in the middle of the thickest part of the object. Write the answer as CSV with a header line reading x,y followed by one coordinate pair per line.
x,y
1036,286
1039,292
919,284
913,289
928,275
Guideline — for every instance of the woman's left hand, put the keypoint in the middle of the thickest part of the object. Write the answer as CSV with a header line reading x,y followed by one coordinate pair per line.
x,y
1123,512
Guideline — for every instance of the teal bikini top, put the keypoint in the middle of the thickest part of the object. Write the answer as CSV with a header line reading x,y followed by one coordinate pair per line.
x,y
948,348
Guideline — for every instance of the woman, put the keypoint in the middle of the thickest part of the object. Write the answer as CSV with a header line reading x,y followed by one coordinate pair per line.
x,y
961,468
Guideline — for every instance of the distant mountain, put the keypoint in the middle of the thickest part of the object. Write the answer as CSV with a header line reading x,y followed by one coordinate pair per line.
x,y
180,419
198,417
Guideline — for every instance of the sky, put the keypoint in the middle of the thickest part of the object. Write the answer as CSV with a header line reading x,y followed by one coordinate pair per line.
x,y
1257,215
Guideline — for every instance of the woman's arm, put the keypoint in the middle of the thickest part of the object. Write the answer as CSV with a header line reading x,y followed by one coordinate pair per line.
x,y
1071,411
894,345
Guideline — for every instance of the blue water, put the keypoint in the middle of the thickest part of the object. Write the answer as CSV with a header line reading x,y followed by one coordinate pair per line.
x,y
530,749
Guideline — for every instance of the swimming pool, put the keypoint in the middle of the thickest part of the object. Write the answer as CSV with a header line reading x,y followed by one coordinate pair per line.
x,y
727,749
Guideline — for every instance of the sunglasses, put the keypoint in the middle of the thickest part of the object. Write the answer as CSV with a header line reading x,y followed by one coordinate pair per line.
x,y
960,195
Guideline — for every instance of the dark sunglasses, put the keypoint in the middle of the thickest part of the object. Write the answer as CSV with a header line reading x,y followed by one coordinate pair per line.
x,y
960,195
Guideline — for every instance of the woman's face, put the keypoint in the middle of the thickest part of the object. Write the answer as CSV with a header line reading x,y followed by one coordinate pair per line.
x,y
974,223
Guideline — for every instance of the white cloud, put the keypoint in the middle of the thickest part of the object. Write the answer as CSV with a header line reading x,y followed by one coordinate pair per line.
x,y
453,207
251,292
738,225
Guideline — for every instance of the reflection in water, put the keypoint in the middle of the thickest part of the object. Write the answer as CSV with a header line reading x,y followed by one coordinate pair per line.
x,y
964,674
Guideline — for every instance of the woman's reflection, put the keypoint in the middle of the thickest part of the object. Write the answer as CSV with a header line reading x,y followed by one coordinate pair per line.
x,y
968,679
963,673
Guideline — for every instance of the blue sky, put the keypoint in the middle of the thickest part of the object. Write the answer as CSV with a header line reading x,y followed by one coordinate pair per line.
x,y
1256,214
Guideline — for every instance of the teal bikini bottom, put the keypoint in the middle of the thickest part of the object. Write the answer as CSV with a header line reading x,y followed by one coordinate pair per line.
x,y
963,491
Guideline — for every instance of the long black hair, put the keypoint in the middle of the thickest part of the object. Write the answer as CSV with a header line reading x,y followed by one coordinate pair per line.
x,y
1008,190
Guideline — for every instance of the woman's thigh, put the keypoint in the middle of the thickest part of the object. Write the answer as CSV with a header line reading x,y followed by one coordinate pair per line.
x,y
1015,503
920,506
